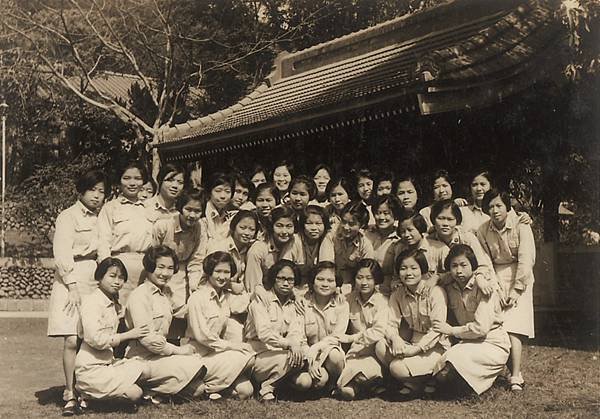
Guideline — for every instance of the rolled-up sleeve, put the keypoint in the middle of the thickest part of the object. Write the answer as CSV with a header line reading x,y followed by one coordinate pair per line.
x,y
96,334
140,312
526,257
62,246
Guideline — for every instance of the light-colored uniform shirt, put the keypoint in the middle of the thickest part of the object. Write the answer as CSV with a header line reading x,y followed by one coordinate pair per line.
x,y
148,305
465,212
156,209
369,319
306,257
261,256
348,254
512,244
317,324
385,249
217,224
189,245
75,238
123,227
433,250
239,257
475,220
419,310
267,327
208,313
100,322
460,237
475,312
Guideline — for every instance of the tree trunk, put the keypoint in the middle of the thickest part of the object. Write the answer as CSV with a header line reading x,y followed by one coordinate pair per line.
x,y
155,162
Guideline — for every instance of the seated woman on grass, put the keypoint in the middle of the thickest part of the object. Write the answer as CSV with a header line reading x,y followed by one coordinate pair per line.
x,y
484,345
323,324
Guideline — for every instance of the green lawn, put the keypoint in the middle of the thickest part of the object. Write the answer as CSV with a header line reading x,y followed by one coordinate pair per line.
x,y
561,383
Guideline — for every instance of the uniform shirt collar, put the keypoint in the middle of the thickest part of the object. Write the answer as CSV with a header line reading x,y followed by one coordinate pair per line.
x,y
85,210
123,200
310,299
468,286
152,288
273,298
370,301
512,220
211,211
355,241
106,301
418,291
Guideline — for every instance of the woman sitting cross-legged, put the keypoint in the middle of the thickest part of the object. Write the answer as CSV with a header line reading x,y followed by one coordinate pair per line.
x,y
323,323
268,329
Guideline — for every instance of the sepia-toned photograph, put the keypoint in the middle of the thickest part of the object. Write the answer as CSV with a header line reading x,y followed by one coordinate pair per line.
x,y
300,208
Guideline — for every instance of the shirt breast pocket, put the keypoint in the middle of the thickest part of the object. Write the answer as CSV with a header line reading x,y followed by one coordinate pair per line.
x,y
121,217
311,328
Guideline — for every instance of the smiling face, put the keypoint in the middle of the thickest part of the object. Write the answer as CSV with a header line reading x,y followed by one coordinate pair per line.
x,y
461,270
131,183
407,194
321,180
220,277
240,195
93,198
265,203
284,282
409,272
479,186
349,226
384,187
112,281
365,283
283,230
384,217
364,187
172,185
244,231
409,234
441,189
191,213
258,178
339,197
220,196
498,211
325,283
282,178
146,191
314,228
165,269
445,223
299,196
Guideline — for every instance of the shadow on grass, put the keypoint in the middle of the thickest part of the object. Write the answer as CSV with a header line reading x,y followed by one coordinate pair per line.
x,y
52,396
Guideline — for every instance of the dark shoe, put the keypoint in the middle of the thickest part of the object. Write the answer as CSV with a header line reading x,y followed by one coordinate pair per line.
x,y
70,408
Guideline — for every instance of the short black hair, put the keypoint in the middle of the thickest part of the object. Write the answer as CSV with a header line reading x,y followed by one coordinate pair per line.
x,y
282,212
322,166
440,206
217,179
417,255
373,266
493,193
267,186
461,250
417,220
269,279
211,261
239,216
391,201
190,195
170,168
339,181
154,252
310,185
321,266
107,263
91,178
317,210
358,210
133,164
243,181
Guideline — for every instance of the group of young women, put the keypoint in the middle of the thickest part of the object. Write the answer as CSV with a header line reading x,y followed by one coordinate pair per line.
x,y
336,285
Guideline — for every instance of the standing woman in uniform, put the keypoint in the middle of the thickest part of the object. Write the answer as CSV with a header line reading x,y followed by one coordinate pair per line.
x,y
171,181
511,247
220,190
171,368
124,231
338,193
383,237
75,249
184,234
368,324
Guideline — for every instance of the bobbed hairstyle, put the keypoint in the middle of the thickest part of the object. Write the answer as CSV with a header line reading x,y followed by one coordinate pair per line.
x,y
442,173
288,165
190,195
484,173
417,220
461,250
407,178
417,255
373,266
440,206
322,266
172,169
361,173
133,164
316,210
154,252
358,210
340,181
243,181
267,186
211,261
152,183
241,215
107,263
219,179
385,175
493,193
274,270
89,179
322,166
310,185
391,201
282,212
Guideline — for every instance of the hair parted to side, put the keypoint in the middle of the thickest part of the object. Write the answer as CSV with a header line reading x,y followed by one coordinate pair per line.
x,y
108,263
211,261
416,254
440,206
358,210
91,178
494,193
322,266
189,195
415,218
154,252
274,270
373,266
461,250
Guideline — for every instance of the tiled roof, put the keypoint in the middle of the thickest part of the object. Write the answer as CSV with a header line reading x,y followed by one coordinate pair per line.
x,y
465,53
